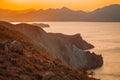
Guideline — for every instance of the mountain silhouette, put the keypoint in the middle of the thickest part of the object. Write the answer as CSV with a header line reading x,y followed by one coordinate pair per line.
x,y
106,14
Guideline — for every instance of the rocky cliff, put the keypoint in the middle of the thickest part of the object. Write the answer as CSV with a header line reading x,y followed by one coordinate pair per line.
x,y
68,49
76,40
22,59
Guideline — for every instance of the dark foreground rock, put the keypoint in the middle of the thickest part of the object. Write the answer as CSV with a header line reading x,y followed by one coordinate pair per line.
x,y
33,65
12,46
68,49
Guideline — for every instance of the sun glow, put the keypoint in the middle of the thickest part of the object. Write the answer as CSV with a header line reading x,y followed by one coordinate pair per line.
x,y
86,5
19,1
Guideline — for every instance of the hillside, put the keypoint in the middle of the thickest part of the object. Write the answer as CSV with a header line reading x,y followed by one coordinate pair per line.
x,y
20,60
67,48
106,14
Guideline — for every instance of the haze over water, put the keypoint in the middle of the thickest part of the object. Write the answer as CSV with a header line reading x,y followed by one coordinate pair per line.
x,y
106,38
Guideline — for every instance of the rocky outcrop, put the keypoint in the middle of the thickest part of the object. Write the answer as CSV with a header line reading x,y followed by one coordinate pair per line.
x,y
76,40
68,49
92,59
12,46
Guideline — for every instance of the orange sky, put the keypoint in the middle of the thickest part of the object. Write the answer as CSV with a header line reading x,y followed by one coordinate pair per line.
x,y
86,5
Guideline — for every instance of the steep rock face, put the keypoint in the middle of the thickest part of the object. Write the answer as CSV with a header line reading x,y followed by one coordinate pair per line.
x,y
57,47
92,59
18,61
68,49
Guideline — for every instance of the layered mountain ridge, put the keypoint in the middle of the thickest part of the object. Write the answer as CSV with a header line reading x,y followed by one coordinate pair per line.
x,y
106,14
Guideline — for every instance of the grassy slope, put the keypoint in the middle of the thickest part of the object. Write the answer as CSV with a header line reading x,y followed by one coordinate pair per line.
x,y
32,65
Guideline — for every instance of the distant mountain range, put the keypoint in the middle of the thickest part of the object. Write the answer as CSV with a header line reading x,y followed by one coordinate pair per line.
x,y
106,14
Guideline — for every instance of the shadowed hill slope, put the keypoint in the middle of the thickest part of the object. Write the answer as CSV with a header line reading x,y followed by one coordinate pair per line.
x,y
22,61
68,49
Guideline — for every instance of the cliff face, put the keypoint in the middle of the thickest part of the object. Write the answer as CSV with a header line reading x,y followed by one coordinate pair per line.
x,y
20,60
76,40
68,49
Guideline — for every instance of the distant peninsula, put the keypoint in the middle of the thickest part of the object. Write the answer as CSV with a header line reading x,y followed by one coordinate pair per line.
x,y
109,13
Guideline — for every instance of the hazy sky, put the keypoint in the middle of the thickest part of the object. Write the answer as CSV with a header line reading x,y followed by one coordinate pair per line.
x,y
86,5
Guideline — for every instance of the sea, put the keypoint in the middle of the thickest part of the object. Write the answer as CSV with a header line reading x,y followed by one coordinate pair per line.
x,y
105,36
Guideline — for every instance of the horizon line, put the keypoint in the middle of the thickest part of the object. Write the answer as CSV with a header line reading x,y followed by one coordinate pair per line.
x,y
32,9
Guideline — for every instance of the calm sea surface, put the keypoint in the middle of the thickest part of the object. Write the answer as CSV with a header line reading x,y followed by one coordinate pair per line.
x,y
106,38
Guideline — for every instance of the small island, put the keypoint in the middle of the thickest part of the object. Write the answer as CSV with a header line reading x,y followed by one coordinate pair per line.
x,y
41,25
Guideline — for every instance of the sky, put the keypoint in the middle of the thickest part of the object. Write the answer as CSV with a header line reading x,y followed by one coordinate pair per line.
x,y
86,5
